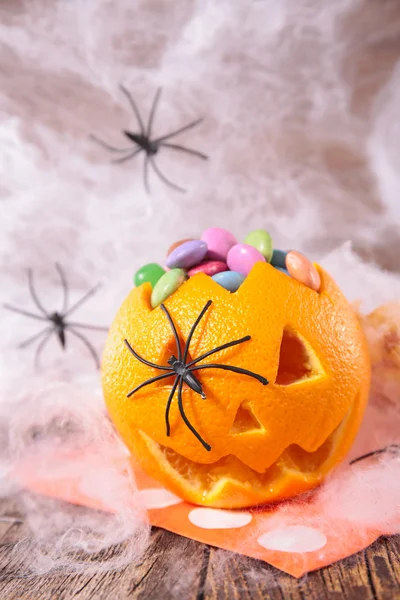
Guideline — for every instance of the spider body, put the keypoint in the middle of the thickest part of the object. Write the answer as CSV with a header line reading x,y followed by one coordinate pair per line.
x,y
59,326
183,371
144,142
150,147
57,321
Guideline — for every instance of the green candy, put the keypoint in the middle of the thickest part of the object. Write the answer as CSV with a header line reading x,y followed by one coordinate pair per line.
x,y
262,241
167,285
150,273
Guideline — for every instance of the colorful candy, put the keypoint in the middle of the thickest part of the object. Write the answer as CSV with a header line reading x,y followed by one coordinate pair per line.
x,y
301,269
218,255
262,241
279,259
219,242
167,285
242,258
150,273
230,280
208,267
176,244
187,255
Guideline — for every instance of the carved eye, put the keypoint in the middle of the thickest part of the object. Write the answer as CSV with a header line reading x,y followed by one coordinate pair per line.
x,y
297,361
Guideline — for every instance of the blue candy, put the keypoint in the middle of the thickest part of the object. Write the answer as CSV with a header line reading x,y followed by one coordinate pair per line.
x,y
279,259
230,280
282,270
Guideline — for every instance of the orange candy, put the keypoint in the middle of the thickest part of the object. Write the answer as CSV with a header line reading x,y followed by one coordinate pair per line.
x,y
176,244
268,442
302,270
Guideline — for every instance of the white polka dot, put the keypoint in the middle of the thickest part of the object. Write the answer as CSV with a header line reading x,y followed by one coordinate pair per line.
x,y
215,518
158,498
294,538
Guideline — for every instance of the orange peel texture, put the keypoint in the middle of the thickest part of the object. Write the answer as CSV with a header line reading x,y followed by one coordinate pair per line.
x,y
268,442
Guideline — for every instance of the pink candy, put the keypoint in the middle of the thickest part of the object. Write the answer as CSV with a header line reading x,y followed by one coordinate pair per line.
x,y
219,242
208,267
242,258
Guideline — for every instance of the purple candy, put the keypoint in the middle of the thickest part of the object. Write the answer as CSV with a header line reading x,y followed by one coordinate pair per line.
x,y
242,258
219,242
187,254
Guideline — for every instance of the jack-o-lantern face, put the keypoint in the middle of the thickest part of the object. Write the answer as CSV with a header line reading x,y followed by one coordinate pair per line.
x,y
255,442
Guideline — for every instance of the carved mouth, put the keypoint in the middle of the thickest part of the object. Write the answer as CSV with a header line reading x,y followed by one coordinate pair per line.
x,y
207,477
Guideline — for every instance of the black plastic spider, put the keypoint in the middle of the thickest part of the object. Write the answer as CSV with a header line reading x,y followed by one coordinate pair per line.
x,y
145,143
58,323
392,449
183,371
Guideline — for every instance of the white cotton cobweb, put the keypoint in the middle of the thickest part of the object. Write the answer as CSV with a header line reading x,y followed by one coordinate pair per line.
x,y
300,100
49,435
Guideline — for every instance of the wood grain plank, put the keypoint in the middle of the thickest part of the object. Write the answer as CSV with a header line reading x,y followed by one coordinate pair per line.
x,y
177,568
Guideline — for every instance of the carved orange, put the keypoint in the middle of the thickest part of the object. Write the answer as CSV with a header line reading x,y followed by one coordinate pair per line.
x,y
267,442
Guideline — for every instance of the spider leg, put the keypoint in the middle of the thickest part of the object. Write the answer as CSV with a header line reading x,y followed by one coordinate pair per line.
x,y
167,408
146,174
148,382
186,420
40,348
84,326
183,149
227,345
259,378
20,311
107,146
64,286
181,130
82,300
33,293
393,448
144,361
163,178
33,338
87,344
193,329
165,311
125,158
134,107
153,111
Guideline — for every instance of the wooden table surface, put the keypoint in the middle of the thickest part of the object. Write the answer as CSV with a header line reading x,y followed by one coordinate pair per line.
x,y
176,567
